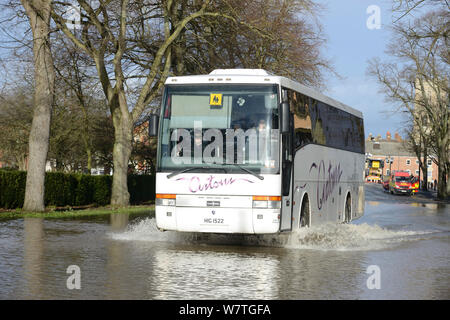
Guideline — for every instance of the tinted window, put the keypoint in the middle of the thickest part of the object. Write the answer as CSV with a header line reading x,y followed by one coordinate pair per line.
x,y
319,123
341,129
299,106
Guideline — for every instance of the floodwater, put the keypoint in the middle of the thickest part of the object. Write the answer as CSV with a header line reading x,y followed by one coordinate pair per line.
x,y
405,242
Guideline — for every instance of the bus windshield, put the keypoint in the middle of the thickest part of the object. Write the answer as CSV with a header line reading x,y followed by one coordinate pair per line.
x,y
228,128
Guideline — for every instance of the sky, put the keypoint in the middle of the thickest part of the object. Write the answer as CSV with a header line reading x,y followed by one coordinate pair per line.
x,y
349,47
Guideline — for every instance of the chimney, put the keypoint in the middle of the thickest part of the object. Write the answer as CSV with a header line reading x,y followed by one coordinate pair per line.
x,y
397,137
388,136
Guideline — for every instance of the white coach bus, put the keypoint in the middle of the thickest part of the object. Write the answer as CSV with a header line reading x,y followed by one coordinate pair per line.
x,y
244,151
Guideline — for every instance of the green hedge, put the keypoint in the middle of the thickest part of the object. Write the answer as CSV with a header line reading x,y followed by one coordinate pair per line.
x,y
12,188
141,188
63,189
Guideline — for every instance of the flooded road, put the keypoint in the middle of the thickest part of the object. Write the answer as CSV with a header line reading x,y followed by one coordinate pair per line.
x,y
122,258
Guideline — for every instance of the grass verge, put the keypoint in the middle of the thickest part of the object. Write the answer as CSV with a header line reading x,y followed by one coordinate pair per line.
x,y
133,211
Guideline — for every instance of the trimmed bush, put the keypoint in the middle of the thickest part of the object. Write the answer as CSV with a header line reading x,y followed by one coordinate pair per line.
x,y
60,189
141,188
85,190
102,190
63,189
12,188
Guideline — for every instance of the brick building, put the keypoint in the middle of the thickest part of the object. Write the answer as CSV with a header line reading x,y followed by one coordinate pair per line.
x,y
396,157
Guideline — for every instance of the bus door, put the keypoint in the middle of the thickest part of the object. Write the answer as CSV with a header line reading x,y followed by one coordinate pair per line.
x,y
286,176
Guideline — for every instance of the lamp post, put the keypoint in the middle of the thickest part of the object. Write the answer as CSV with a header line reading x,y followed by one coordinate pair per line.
x,y
390,160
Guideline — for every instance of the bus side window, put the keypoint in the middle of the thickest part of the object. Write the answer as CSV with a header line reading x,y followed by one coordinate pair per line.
x,y
299,105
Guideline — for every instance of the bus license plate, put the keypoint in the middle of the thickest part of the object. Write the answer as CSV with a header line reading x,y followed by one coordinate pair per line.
x,y
213,220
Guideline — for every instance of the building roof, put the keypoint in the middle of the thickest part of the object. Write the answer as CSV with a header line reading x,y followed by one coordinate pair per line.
x,y
387,148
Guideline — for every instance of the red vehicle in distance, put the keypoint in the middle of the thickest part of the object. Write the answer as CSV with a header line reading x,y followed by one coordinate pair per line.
x,y
414,185
400,182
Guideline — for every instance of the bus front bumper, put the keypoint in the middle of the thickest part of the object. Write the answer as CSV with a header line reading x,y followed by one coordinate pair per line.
x,y
218,220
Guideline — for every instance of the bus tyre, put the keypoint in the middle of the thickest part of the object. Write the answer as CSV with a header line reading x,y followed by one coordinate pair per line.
x,y
348,209
304,213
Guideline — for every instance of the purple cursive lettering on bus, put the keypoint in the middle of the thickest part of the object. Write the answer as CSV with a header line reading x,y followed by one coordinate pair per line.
x,y
327,180
196,184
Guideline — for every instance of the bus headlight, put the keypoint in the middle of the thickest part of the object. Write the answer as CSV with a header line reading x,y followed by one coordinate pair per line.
x,y
163,199
266,202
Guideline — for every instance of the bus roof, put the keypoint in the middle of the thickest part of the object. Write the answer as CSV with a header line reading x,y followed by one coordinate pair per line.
x,y
258,76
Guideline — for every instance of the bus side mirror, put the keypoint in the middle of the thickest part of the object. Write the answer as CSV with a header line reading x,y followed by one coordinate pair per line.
x,y
153,123
285,122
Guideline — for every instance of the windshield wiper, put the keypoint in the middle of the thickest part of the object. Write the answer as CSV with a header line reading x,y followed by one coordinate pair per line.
x,y
173,174
260,177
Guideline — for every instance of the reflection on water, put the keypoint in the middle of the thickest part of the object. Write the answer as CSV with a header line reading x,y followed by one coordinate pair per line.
x,y
130,259
33,256
119,221
179,274
432,206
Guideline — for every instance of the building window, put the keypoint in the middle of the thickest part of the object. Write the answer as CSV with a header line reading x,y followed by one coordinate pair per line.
x,y
388,172
429,162
417,161
408,162
409,171
417,172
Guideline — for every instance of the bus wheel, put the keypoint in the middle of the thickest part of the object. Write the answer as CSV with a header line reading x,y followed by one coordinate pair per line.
x,y
348,209
304,213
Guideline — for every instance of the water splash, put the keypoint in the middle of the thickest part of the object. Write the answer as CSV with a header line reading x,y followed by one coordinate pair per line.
x,y
342,237
144,230
348,237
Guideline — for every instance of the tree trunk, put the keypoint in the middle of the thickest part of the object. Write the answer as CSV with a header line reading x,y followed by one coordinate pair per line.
x,y
123,128
22,162
424,167
447,184
38,12
87,148
89,159
442,189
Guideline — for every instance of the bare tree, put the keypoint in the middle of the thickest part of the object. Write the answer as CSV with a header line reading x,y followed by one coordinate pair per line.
x,y
38,12
419,82
283,37
16,112
79,89
111,34
418,141
404,8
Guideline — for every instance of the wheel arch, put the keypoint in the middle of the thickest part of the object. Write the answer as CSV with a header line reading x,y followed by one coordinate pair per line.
x,y
304,196
348,194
